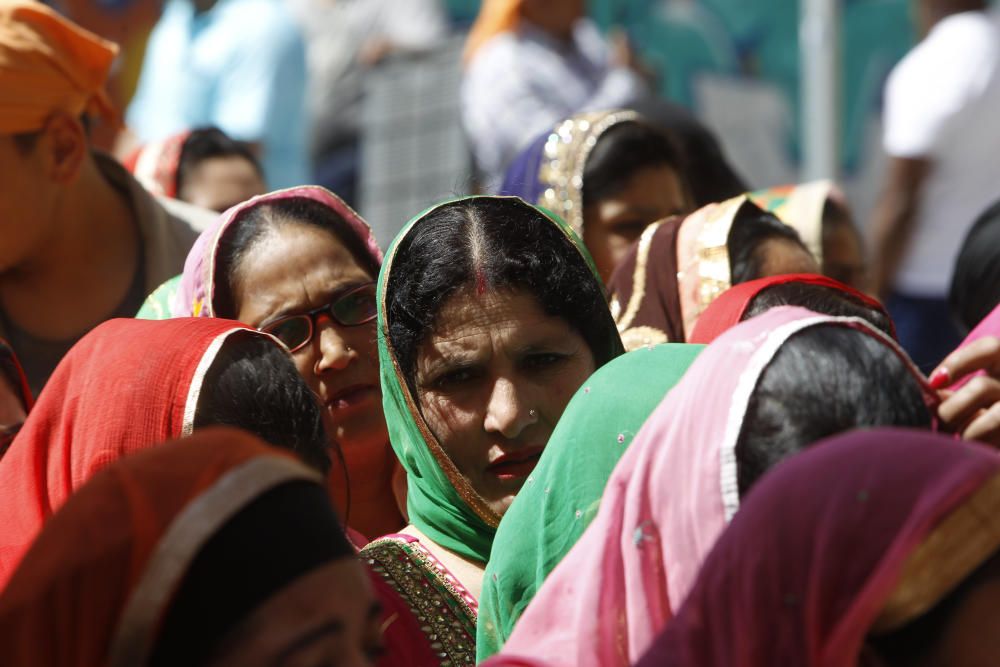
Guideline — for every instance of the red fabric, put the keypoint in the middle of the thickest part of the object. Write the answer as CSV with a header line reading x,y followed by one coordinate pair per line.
x,y
155,165
809,561
121,389
727,310
63,605
18,379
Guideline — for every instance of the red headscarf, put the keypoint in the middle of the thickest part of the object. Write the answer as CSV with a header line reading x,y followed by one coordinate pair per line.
x,y
95,586
127,385
727,310
868,531
155,165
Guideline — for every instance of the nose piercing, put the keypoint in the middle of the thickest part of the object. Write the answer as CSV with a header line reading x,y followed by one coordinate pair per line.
x,y
533,414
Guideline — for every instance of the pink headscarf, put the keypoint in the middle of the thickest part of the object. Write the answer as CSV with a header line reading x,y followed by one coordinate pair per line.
x,y
866,532
667,501
197,288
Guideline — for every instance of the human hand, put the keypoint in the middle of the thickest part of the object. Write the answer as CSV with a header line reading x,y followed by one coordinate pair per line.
x,y
973,410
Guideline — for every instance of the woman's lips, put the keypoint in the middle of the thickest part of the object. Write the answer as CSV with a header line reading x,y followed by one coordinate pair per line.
x,y
516,465
351,397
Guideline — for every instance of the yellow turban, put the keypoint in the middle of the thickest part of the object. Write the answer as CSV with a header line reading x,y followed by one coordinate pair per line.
x,y
48,64
495,17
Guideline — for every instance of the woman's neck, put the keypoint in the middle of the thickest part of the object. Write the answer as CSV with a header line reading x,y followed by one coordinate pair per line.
x,y
468,572
373,509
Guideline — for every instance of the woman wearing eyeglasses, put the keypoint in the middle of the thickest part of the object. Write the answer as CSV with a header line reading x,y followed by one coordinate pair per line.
x,y
301,265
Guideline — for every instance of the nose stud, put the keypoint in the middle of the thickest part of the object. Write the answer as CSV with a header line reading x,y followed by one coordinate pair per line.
x,y
533,414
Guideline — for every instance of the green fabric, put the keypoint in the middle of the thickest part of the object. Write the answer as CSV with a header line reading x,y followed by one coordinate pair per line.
x,y
561,497
435,505
157,304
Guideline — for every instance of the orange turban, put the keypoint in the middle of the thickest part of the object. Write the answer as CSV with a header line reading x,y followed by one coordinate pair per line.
x,y
48,64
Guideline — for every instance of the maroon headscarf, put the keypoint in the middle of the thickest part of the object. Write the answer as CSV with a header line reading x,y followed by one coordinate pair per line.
x,y
869,530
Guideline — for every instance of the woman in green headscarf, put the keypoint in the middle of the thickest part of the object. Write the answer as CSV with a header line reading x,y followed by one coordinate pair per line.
x,y
562,495
490,317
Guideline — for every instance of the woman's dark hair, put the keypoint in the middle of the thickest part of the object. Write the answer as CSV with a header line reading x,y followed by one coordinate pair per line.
x,y
623,151
819,299
823,381
751,230
279,537
709,174
210,142
252,384
495,243
975,287
910,645
253,225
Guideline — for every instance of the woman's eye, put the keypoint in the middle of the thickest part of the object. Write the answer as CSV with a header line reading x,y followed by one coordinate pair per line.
x,y
543,360
453,378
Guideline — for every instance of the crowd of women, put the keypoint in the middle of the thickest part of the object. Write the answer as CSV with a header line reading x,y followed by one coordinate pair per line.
x,y
616,415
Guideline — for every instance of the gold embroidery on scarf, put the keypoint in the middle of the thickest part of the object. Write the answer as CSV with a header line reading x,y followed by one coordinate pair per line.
x,y
446,618
951,552
640,337
638,277
565,158
713,259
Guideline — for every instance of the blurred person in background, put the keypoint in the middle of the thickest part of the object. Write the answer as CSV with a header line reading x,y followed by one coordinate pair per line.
x,y
530,63
819,212
632,176
238,65
942,133
127,23
975,287
82,241
344,39
203,167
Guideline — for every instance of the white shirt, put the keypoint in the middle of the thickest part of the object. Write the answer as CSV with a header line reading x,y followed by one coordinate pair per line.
x,y
943,104
522,83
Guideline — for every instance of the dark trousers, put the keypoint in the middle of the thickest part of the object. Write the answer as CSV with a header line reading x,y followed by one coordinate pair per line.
x,y
925,327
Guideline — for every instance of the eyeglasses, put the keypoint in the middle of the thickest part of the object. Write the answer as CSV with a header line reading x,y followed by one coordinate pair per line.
x,y
349,308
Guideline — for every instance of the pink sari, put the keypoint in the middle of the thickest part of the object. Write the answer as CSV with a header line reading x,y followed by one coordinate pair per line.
x,y
667,502
861,535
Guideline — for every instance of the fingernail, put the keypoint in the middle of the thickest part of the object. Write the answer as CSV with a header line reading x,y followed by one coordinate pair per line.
x,y
940,378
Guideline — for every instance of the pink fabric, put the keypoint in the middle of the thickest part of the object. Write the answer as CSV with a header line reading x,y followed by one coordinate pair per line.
x,y
810,561
194,297
990,326
666,503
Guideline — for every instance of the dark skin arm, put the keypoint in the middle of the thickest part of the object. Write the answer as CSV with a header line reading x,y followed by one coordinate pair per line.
x,y
895,217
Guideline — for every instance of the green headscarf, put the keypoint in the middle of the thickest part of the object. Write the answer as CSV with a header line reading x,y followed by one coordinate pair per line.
x,y
441,502
561,497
